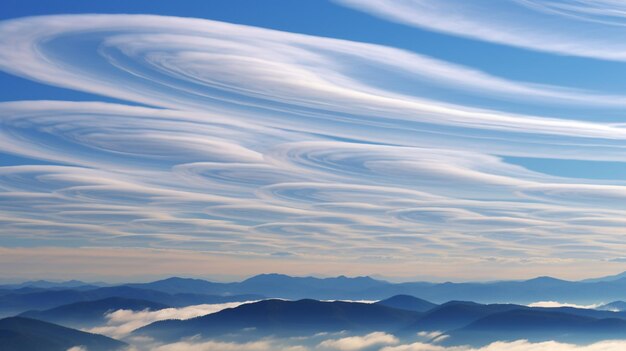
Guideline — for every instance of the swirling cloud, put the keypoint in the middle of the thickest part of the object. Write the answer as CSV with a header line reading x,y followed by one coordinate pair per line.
x,y
273,147
160,61
566,27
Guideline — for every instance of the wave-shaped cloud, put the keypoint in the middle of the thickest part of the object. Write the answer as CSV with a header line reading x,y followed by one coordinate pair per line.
x,y
247,142
214,66
566,27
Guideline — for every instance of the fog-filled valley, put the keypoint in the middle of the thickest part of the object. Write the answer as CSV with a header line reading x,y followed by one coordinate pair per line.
x,y
280,312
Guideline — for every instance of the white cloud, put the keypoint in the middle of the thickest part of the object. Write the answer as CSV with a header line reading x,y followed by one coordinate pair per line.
x,y
215,346
429,335
290,66
359,343
121,323
198,344
577,28
263,142
520,345
553,304
353,343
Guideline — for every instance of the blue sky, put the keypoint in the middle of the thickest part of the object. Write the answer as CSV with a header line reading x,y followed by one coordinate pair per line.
x,y
408,139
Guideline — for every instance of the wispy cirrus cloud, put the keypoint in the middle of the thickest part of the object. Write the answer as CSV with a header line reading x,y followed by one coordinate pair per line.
x,y
247,142
564,27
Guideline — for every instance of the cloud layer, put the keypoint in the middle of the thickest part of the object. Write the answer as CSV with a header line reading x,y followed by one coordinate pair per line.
x,y
354,343
231,141
121,323
566,27
387,343
555,304
520,345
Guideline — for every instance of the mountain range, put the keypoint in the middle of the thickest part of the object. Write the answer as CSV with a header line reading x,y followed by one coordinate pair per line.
x,y
461,322
284,318
179,292
407,302
88,314
366,288
466,313
22,334
537,326
19,301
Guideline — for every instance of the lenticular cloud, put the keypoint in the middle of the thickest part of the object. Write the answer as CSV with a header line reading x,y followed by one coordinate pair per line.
x,y
240,141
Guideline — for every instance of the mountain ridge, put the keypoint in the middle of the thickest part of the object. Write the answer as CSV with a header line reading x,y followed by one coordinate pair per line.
x,y
90,313
21,334
286,318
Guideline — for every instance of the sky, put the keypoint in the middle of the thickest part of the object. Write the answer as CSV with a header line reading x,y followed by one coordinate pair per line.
x,y
404,139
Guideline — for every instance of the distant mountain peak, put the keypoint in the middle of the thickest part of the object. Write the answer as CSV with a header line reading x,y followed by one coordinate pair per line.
x,y
280,276
31,334
609,278
275,316
265,276
407,302
360,277
545,279
179,279
460,302
616,306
